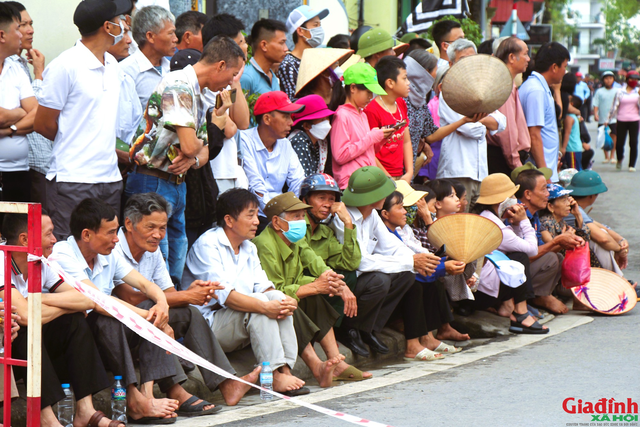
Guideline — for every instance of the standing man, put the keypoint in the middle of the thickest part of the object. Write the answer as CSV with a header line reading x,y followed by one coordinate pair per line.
x,y
189,30
306,30
584,93
78,107
177,134
269,43
507,150
540,108
444,33
18,106
602,104
375,44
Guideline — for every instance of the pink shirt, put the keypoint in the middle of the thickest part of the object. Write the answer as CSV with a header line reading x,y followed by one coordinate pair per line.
x,y
434,105
626,106
353,144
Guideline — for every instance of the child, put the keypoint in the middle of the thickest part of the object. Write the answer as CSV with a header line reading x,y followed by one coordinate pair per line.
x,y
461,192
447,201
353,143
571,148
395,156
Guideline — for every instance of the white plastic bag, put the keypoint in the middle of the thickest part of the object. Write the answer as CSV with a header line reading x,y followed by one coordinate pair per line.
x,y
600,138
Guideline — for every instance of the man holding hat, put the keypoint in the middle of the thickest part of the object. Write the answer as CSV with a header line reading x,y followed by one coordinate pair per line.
x,y
304,24
269,160
602,104
295,269
78,112
387,268
377,43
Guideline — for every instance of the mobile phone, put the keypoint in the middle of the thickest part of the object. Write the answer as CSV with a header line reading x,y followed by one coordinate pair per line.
x,y
400,124
219,98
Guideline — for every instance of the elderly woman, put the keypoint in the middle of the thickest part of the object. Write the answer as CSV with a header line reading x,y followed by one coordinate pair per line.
x,y
519,242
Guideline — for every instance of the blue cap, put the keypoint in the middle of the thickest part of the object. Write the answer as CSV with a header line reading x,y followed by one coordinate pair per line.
x,y
302,14
265,363
65,385
117,377
556,191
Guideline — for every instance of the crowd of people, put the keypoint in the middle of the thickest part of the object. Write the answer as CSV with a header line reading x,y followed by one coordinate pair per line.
x,y
236,192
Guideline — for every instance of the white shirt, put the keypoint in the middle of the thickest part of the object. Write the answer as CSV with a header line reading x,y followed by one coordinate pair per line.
x,y
50,280
212,258
225,165
464,152
146,76
269,171
129,110
106,268
14,87
381,250
152,265
86,93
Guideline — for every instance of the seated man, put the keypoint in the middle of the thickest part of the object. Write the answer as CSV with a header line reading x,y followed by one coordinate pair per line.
x,y
546,267
66,337
145,224
269,159
387,267
88,256
249,311
296,270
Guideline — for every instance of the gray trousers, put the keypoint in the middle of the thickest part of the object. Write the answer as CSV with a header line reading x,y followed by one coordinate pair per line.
x,y
271,340
606,258
545,273
378,295
473,190
188,323
63,197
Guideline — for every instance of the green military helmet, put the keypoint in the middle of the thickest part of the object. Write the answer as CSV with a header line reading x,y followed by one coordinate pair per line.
x,y
586,183
373,41
367,185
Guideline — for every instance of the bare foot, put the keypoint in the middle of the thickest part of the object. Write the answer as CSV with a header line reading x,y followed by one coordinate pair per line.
x,y
551,303
447,332
160,408
344,365
286,382
81,419
323,372
506,308
233,390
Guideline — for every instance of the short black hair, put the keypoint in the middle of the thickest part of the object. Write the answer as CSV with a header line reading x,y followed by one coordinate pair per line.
x,y
8,14
13,225
527,180
575,101
430,193
549,54
89,215
17,5
486,47
339,41
389,68
460,189
222,48
442,188
221,25
419,43
265,29
233,202
392,200
190,20
441,29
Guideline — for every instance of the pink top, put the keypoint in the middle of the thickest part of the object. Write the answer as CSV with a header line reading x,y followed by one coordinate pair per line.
x,y
433,106
353,144
626,106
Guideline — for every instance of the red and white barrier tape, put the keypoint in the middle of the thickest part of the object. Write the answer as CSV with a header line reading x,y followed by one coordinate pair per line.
x,y
149,332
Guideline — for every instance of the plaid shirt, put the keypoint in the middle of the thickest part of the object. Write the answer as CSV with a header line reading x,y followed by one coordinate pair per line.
x,y
421,235
39,146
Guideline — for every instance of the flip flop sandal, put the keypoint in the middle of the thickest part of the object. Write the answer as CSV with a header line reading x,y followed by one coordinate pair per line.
x,y
188,409
299,392
151,420
98,416
351,374
518,328
425,355
447,349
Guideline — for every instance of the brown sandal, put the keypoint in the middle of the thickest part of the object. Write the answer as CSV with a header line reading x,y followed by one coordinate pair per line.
x,y
98,416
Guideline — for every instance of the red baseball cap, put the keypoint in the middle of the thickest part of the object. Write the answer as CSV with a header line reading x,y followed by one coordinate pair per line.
x,y
578,74
275,101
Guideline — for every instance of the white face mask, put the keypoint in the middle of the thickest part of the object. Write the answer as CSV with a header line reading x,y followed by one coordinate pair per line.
x,y
119,37
338,72
511,201
320,130
317,36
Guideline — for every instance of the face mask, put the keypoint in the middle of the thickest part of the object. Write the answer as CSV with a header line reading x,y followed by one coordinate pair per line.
x,y
297,230
320,130
511,201
339,72
119,37
632,83
412,211
317,36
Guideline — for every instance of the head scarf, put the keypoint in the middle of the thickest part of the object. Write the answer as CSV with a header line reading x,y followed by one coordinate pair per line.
x,y
421,82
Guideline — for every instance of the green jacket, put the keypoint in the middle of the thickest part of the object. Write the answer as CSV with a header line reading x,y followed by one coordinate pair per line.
x,y
284,264
327,246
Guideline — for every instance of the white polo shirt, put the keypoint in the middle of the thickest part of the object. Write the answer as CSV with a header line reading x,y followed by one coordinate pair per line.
x,y
86,93
106,268
50,280
14,87
146,76
225,165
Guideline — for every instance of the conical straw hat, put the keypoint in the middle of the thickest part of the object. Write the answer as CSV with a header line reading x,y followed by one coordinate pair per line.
x,y
606,293
315,61
467,236
477,84
353,59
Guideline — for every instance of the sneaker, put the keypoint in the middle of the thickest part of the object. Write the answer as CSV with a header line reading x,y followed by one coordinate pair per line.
x,y
632,169
619,165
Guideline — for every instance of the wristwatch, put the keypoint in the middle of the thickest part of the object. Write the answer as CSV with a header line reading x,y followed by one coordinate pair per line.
x,y
14,129
197,163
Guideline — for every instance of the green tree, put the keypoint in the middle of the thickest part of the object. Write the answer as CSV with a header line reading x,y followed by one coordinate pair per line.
x,y
470,27
619,32
557,13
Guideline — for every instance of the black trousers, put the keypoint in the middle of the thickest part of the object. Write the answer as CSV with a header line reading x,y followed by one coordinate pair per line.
x,y
632,129
313,319
69,355
378,295
38,187
496,161
424,308
484,301
16,187
523,259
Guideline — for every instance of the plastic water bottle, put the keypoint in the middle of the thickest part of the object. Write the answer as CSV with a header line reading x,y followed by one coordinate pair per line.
x,y
266,381
119,401
65,407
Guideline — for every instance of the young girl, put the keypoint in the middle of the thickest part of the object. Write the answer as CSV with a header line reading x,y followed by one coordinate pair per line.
x,y
447,201
461,192
353,144
571,147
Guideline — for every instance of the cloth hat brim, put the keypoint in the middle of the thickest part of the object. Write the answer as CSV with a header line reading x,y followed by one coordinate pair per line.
x,y
375,88
606,293
325,112
315,61
351,198
411,195
530,166
588,191
492,199
378,47
400,48
290,109
353,59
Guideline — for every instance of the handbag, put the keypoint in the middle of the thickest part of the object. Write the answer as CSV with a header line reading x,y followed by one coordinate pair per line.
x,y
584,133
608,142
576,267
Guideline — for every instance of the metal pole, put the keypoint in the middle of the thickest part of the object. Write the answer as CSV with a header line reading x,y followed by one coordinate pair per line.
x,y
483,18
34,314
361,13
514,20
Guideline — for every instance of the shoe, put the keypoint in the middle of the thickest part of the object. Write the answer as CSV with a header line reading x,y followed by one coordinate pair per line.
x,y
447,349
619,165
374,342
518,328
352,340
425,355
632,169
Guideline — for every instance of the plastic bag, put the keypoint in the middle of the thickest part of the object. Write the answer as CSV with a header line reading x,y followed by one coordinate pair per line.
x,y
576,267
608,142
600,137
